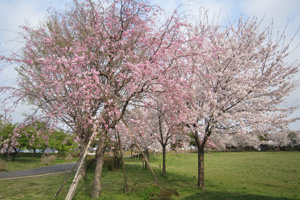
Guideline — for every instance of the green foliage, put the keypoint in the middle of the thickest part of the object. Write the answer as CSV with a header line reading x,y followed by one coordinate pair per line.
x,y
6,131
38,136
61,141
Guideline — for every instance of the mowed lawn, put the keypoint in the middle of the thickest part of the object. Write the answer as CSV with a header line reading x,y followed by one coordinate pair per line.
x,y
236,175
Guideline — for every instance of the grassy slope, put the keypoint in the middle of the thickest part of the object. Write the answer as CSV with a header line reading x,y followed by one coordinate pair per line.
x,y
251,175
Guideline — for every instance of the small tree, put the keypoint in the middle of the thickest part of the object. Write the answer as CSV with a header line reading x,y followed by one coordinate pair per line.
x,y
162,121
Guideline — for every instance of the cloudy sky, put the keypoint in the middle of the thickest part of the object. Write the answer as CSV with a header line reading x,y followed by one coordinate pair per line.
x,y
15,13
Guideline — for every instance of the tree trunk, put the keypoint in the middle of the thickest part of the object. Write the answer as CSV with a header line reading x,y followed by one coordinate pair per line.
x,y
176,149
146,152
123,163
164,161
99,166
201,168
124,171
14,155
82,169
200,146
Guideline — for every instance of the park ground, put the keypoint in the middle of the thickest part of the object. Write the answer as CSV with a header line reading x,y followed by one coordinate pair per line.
x,y
236,175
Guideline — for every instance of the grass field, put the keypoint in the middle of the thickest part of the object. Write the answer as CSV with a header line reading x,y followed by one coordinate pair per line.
x,y
239,175
22,163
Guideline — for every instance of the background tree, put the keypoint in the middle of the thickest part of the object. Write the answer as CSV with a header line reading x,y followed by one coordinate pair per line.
x,y
294,137
35,136
61,141
238,81
280,139
8,138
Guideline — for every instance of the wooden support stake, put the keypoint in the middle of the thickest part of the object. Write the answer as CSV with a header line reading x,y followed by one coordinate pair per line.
x,y
75,180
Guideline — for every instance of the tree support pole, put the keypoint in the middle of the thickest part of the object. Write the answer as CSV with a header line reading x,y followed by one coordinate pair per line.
x,y
75,180
65,181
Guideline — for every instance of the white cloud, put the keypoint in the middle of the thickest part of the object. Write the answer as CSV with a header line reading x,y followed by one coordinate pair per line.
x,y
276,9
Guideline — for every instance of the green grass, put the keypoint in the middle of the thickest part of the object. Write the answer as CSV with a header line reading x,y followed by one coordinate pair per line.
x,y
22,163
249,175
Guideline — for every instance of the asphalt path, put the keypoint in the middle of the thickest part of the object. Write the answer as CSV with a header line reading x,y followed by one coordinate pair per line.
x,y
37,172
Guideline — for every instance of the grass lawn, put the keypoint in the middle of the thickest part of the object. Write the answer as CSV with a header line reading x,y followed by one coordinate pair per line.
x,y
22,163
239,175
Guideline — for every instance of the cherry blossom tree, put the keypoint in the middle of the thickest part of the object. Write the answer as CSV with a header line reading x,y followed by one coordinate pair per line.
x,y
239,78
83,67
279,139
162,122
294,136
8,137
239,141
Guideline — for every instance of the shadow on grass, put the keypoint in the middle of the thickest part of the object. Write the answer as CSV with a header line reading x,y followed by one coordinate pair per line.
x,y
217,195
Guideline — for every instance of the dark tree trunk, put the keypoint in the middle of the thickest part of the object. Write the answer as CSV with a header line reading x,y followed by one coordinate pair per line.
x,y
146,152
14,155
201,168
99,166
123,163
164,161
200,146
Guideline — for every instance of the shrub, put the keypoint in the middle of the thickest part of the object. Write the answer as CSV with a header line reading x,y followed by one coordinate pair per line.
x,y
48,159
69,157
109,163
75,154
52,158
3,165
90,163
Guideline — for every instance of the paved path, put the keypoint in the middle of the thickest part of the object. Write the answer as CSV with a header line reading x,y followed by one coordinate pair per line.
x,y
38,172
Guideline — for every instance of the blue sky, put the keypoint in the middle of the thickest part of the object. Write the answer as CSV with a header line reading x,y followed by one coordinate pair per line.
x,y
15,13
